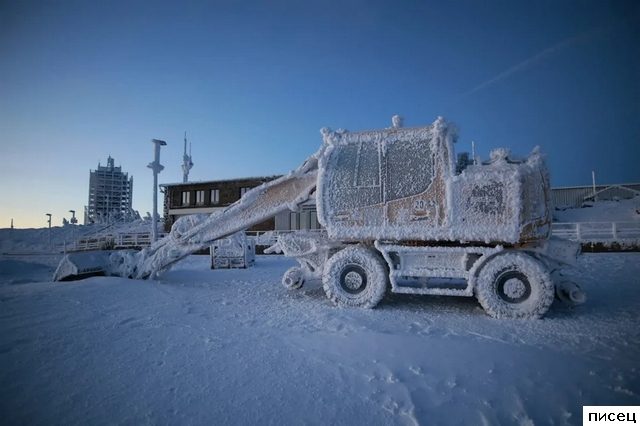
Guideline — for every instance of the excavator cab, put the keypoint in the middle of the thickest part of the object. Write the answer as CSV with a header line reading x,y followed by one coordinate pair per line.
x,y
384,184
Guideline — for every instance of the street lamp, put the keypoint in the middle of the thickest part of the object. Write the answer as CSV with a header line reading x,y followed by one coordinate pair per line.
x,y
49,220
156,167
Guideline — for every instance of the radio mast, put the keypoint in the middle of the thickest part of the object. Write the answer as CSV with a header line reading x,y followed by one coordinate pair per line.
x,y
187,164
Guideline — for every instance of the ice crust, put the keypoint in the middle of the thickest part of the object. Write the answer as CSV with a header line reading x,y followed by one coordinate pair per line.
x,y
374,284
540,283
399,184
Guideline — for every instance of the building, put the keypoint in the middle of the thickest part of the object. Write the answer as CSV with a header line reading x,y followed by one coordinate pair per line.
x,y
575,196
208,196
110,194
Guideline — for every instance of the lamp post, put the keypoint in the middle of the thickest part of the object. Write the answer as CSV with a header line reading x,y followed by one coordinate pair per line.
x,y
49,220
473,152
156,167
73,221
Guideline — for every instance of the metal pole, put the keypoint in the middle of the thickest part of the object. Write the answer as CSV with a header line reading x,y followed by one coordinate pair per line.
x,y
473,152
156,167
49,220
73,222
154,218
593,179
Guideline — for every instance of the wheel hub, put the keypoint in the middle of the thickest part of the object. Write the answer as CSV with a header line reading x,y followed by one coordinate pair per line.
x,y
353,279
513,287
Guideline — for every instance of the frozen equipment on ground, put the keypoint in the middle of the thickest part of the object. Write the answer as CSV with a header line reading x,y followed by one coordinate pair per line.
x,y
235,251
398,217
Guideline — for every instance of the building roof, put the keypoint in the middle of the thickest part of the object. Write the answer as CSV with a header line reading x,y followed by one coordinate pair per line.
x,y
197,182
598,185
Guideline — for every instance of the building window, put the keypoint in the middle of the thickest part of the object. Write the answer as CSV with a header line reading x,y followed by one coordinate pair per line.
x,y
199,198
186,198
215,196
244,190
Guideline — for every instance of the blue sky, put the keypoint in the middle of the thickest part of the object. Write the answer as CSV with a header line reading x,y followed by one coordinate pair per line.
x,y
253,82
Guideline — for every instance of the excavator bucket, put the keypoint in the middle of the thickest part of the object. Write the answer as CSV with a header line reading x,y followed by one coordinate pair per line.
x,y
85,264
79,265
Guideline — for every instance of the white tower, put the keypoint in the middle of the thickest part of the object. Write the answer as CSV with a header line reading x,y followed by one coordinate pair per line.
x,y
187,164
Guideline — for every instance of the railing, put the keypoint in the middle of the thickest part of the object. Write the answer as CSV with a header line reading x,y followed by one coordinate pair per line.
x,y
143,239
576,231
268,238
597,231
113,241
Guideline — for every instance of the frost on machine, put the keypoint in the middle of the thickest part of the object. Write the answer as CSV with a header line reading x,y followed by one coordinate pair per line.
x,y
235,251
397,216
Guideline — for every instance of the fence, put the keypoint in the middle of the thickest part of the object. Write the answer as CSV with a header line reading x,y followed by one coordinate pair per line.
x,y
113,241
594,232
143,239
584,232
268,238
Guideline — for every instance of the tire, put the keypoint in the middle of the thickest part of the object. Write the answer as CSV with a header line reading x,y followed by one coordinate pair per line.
x,y
355,276
293,279
514,285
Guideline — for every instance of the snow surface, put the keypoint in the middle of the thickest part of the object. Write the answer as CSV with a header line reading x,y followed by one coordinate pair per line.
x,y
205,346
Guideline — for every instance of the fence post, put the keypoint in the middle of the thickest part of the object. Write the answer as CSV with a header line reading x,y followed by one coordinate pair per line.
x,y
614,229
578,234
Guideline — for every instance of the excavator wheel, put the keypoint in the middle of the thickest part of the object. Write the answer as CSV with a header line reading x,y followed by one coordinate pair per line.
x,y
355,276
514,285
293,279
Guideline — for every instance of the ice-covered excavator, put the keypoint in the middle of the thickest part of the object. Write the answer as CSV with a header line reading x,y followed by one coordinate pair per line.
x,y
397,216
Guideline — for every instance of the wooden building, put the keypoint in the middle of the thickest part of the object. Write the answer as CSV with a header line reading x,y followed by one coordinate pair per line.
x,y
208,196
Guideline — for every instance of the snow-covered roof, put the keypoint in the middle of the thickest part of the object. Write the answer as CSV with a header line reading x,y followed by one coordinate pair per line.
x,y
198,182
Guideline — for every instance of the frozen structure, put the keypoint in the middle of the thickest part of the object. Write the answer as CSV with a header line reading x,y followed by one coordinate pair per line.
x,y
110,195
187,162
235,251
398,217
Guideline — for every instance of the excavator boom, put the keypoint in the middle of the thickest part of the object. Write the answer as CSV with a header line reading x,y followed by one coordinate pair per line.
x,y
257,205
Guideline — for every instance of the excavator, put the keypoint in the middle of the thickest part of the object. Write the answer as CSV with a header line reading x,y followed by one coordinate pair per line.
x,y
397,216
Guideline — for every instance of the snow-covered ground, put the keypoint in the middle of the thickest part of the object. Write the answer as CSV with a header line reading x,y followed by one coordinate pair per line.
x,y
204,346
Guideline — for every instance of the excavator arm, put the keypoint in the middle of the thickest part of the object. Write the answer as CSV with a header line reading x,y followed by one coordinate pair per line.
x,y
257,205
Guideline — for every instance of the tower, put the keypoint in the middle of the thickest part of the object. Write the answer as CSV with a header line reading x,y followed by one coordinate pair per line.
x,y
187,164
110,194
